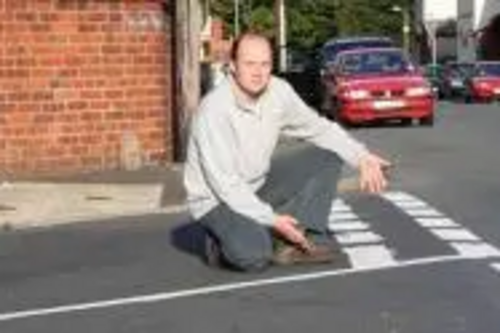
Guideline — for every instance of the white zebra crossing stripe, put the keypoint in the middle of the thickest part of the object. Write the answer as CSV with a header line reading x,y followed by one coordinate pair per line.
x,y
399,196
436,222
496,266
348,226
370,256
358,237
338,216
456,234
363,247
366,248
340,208
407,204
476,250
464,241
421,212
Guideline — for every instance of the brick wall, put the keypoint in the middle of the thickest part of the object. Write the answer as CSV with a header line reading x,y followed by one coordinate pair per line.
x,y
84,85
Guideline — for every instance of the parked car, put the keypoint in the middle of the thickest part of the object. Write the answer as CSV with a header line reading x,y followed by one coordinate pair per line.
x,y
435,76
334,46
454,77
483,85
303,74
379,84
329,51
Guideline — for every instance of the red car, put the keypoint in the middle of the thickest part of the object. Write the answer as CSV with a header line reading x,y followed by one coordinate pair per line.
x,y
484,82
366,85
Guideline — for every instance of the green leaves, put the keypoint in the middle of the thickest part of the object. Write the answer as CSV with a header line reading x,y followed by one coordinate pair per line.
x,y
311,22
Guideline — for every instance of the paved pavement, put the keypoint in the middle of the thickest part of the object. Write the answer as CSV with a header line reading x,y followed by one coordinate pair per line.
x,y
91,196
85,197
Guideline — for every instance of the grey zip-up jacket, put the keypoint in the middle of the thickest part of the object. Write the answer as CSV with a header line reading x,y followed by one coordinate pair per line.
x,y
231,144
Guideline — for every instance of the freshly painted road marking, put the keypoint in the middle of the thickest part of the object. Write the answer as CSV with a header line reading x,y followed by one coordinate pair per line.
x,y
464,241
363,247
407,204
337,216
370,256
475,250
339,207
162,297
422,212
496,266
348,226
358,237
455,234
436,222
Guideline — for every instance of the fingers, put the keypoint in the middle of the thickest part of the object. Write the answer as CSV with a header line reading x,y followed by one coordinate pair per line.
x,y
373,173
286,226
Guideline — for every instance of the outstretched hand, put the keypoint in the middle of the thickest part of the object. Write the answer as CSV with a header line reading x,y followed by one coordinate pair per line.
x,y
372,177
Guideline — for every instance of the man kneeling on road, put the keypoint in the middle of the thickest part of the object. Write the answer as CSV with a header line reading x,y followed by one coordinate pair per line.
x,y
258,209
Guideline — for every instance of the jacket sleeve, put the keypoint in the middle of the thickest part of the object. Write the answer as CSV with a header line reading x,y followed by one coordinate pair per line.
x,y
303,122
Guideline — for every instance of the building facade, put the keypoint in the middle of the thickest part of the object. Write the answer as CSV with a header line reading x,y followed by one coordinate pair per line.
x,y
475,28
478,29
85,85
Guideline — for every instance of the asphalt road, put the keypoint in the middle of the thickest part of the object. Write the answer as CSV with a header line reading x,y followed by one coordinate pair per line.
x,y
423,258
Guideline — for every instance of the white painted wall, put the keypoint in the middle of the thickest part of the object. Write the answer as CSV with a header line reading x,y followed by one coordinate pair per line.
x,y
439,10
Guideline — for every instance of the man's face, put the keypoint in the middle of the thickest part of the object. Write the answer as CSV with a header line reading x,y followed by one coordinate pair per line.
x,y
252,66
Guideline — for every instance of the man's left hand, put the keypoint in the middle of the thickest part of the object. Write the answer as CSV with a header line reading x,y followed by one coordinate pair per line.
x,y
372,177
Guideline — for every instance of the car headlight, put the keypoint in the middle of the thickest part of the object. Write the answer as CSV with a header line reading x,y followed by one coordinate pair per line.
x,y
418,91
483,85
357,94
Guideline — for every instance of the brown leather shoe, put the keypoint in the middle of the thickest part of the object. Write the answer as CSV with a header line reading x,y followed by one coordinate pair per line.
x,y
291,255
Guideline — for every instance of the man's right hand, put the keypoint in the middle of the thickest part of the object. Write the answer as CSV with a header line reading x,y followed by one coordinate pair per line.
x,y
286,226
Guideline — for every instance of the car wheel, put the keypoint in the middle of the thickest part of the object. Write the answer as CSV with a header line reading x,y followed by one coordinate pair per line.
x,y
406,121
427,121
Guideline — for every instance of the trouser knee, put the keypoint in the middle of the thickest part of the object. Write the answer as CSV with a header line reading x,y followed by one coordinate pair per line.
x,y
249,260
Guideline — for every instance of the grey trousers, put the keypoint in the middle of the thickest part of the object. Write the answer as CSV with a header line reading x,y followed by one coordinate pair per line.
x,y
302,182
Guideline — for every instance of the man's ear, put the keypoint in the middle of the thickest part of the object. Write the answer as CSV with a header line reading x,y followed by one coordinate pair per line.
x,y
232,68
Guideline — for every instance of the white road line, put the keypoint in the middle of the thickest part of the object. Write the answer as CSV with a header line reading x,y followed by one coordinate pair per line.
x,y
464,241
436,222
348,226
339,206
476,250
370,256
358,237
399,196
422,212
161,297
338,216
363,247
455,234
496,266
407,204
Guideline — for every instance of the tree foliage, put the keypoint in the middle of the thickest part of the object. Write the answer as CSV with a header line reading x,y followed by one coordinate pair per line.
x,y
311,22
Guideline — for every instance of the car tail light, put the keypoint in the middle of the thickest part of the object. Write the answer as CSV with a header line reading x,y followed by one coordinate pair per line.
x,y
481,84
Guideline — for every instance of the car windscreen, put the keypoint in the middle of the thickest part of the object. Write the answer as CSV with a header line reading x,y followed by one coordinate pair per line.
x,y
374,62
492,69
330,52
460,70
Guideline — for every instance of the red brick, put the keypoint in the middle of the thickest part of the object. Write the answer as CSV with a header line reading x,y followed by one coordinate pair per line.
x,y
76,76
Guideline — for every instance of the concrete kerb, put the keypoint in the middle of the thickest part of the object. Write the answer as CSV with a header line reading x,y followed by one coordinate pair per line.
x,y
27,204
30,204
